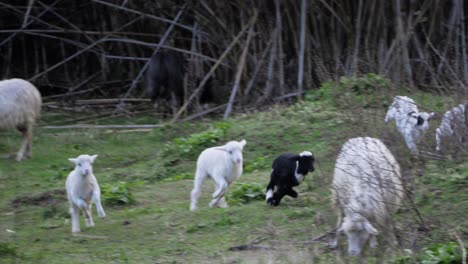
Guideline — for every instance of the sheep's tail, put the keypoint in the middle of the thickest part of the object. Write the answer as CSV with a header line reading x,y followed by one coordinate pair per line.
x,y
200,177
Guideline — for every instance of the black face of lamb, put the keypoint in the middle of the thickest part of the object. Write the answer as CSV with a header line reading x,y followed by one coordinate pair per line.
x,y
306,164
420,121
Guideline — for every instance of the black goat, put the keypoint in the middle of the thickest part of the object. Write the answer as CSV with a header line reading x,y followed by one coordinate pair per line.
x,y
165,79
288,171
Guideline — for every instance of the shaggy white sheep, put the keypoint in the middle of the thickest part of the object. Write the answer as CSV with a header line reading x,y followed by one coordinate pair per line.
x,y
367,189
83,190
20,106
411,123
454,125
223,165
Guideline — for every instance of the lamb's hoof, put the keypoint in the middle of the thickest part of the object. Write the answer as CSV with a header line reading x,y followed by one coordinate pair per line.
x,y
89,224
103,215
75,231
269,201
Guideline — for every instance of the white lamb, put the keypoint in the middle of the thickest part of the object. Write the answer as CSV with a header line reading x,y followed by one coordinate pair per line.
x,y
454,125
367,189
83,190
411,123
223,164
20,107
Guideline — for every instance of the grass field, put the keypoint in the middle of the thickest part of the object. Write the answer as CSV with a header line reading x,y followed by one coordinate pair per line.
x,y
157,167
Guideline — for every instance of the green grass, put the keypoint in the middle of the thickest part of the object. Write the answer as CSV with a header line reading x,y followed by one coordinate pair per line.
x,y
159,228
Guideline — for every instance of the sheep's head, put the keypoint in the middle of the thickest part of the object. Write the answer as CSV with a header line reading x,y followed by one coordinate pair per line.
x,y
422,119
358,231
234,149
83,164
306,161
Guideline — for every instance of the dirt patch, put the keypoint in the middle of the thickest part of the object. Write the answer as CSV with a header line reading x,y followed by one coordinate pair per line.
x,y
51,197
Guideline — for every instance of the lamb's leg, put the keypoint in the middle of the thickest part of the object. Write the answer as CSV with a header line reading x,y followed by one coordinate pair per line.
x,y
222,203
292,193
197,183
221,188
334,242
438,133
411,145
27,138
269,193
29,146
97,201
89,219
75,213
278,195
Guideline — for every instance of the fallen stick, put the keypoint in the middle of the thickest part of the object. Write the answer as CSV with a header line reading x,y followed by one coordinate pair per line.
x,y
110,101
103,126
252,245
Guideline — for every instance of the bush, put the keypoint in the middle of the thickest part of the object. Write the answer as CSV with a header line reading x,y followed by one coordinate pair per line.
x,y
7,249
245,193
118,193
192,145
369,91
449,253
259,163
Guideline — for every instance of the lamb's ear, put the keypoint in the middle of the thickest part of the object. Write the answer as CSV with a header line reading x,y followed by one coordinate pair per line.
x,y
370,229
73,160
431,115
93,157
243,142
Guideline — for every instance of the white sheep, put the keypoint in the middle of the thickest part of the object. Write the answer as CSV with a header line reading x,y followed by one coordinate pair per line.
x,y
367,189
454,125
223,164
411,123
83,190
20,107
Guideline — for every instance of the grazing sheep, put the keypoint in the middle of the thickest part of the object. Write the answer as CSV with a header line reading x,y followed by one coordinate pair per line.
x,y
83,190
367,189
454,125
288,170
223,164
20,107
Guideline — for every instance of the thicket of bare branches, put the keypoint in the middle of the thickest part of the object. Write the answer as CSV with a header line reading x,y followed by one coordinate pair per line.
x,y
99,48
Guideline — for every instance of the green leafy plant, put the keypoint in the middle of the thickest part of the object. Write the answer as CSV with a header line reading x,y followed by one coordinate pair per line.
x,y
368,91
7,249
118,193
244,193
449,253
188,146
258,163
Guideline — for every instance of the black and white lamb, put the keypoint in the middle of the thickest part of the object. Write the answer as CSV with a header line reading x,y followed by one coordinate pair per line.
x,y
288,171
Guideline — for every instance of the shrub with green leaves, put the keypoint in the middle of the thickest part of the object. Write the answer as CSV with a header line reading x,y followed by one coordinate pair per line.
x,y
193,144
368,91
449,253
244,193
7,249
118,193
258,163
